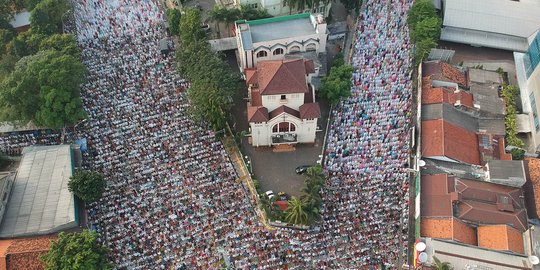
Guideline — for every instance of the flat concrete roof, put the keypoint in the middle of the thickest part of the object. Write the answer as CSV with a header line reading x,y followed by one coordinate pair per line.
x,y
281,29
40,202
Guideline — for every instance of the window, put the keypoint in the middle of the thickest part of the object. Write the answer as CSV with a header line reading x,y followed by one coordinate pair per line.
x,y
311,47
283,127
261,54
254,6
535,112
278,51
283,97
294,49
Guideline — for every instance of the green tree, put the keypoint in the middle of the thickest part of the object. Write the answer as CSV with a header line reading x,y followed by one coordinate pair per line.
x,y
190,27
6,36
87,185
352,4
428,28
27,43
45,88
173,18
63,43
31,4
7,65
441,265
217,15
423,48
296,212
339,60
76,251
420,10
46,18
517,153
337,84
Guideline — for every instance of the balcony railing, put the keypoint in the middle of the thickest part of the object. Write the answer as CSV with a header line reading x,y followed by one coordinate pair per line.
x,y
284,138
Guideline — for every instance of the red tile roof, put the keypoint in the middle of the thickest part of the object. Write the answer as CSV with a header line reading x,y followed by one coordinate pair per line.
x,y
310,110
436,95
440,138
257,114
441,71
310,66
447,228
533,165
478,202
278,77
284,109
251,75
436,199
500,237
23,253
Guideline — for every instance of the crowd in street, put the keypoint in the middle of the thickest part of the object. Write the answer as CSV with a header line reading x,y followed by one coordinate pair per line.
x,y
172,199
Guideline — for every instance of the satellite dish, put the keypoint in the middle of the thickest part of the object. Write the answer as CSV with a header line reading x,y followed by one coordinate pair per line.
x,y
534,260
422,257
420,246
421,163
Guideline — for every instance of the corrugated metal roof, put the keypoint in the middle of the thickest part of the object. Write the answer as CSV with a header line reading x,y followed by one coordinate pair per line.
x,y
40,201
485,39
514,18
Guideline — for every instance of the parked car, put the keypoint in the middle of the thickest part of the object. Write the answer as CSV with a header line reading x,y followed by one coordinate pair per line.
x,y
270,194
302,169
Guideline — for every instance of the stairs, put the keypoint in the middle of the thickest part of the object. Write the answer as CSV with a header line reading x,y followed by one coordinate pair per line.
x,y
284,148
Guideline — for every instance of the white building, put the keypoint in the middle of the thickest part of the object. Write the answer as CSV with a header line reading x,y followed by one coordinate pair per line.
x,y
280,7
272,38
282,107
501,24
528,75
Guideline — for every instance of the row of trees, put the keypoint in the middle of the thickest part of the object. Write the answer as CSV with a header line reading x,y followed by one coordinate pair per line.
x,y
40,69
213,83
220,14
337,84
424,28
305,210
509,94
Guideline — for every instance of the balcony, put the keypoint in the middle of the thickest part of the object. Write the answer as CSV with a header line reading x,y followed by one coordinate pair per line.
x,y
284,138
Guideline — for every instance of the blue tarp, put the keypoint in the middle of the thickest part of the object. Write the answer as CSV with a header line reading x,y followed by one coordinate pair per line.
x,y
82,144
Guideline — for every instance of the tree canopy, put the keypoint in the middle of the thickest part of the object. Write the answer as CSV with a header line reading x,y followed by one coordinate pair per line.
x,y
87,185
45,88
46,18
212,81
337,84
76,251
424,28
173,18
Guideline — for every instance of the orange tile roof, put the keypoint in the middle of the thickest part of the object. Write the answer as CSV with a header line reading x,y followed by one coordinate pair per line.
x,y
435,192
284,109
447,228
440,138
500,237
251,75
436,95
23,253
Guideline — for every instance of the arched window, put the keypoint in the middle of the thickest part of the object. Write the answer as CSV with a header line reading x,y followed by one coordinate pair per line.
x,y
283,127
294,49
278,51
311,47
261,54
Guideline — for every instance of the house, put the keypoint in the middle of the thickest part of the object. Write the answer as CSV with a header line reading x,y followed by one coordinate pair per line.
x,y
24,253
281,107
473,212
273,38
21,21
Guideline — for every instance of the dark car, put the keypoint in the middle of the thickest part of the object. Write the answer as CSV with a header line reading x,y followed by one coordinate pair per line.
x,y
302,169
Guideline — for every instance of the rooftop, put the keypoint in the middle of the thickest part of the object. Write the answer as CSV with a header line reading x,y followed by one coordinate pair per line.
x,y
441,139
532,188
277,77
508,238
23,253
279,27
20,19
441,71
40,202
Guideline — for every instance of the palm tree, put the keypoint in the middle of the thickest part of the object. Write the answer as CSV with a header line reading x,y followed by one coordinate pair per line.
x,y
441,265
296,212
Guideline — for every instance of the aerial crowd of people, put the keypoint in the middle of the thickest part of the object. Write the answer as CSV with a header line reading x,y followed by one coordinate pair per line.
x,y
172,199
